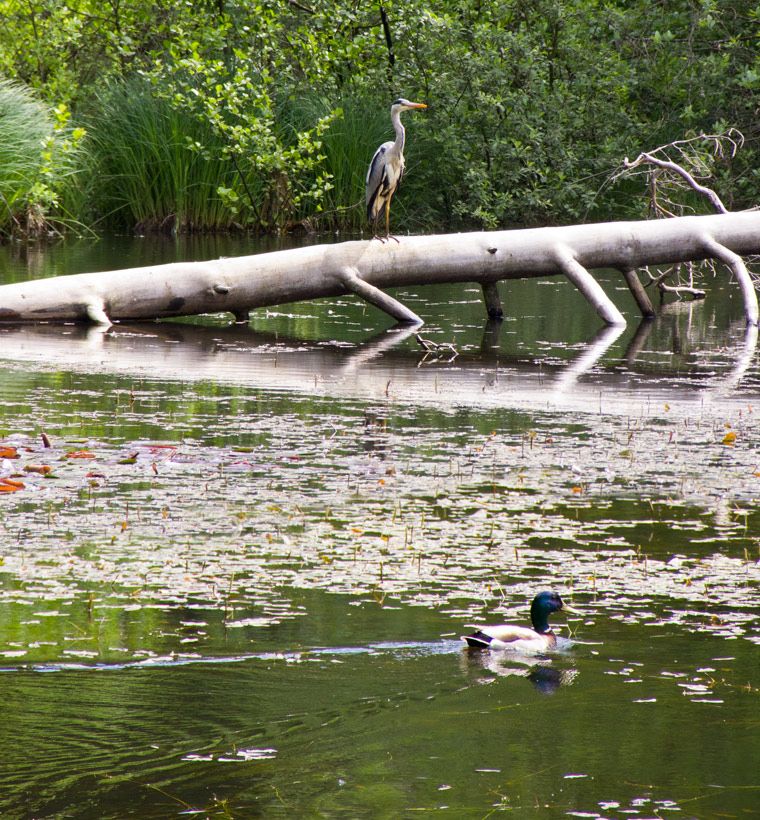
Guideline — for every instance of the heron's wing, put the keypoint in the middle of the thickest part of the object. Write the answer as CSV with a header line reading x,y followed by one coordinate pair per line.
x,y
375,181
375,170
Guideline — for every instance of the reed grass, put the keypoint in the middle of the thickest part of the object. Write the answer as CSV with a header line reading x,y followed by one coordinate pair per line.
x,y
145,175
25,124
349,146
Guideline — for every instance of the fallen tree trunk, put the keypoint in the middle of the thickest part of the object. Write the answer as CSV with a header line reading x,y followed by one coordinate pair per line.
x,y
366,268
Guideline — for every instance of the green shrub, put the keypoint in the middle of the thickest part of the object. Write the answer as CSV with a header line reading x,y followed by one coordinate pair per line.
x,y
38,155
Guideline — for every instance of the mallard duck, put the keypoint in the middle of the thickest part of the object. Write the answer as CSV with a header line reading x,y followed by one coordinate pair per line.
x,y
520,638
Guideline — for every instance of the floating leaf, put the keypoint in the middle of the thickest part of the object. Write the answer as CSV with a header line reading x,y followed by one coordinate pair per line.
x,y
80,454
7,485
730,438
8,452
43,469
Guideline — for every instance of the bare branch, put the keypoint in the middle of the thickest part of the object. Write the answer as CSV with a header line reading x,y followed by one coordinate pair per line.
x,y
678,169
696,293
680,166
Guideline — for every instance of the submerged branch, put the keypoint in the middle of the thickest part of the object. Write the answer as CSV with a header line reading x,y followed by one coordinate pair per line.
x,y
739,269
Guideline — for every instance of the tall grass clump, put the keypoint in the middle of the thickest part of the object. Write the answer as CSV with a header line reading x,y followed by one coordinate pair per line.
x,y
152,169
38,156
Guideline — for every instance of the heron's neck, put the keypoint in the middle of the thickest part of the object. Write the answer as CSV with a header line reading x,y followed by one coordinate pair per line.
x,y
398,146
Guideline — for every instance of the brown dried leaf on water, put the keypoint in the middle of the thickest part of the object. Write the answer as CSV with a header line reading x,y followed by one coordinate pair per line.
x,y
729,439
42,469
80,454
8,485
6,451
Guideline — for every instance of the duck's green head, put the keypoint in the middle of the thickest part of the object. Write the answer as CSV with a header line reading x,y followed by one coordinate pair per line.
x,y
544,604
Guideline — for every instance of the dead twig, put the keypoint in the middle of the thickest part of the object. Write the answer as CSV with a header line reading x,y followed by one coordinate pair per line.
x,y
682,165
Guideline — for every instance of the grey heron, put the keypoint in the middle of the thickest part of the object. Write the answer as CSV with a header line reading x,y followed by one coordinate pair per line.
x,y
387,169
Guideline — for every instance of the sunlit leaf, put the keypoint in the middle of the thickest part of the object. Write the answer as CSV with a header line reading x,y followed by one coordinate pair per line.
x,y
8,452
729,438
43,469
80,454
7,485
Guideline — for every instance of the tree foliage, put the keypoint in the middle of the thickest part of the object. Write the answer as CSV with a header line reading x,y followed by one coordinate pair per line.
x,y
531,103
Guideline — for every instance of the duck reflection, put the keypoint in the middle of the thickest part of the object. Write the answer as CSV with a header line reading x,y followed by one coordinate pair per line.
x,y
541,672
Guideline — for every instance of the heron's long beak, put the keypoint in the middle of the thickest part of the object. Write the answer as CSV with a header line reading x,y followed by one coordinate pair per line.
x,y
568,608
419,105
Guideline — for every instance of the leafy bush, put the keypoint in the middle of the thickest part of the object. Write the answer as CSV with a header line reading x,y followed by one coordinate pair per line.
x,y
38,153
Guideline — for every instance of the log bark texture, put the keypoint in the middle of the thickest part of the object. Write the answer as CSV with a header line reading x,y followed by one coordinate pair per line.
x,y
367,268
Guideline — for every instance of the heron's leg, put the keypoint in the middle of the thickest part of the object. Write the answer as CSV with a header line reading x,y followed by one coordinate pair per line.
x,y
388,220
374,225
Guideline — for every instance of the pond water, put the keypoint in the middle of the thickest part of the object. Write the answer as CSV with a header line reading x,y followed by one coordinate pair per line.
x,y
235,572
